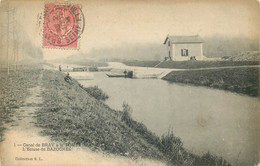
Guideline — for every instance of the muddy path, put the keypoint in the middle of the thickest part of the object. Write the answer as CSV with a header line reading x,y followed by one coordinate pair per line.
x,y
23,142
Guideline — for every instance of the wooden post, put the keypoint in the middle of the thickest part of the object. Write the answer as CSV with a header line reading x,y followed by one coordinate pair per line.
x,y
13,43
201,51
8,39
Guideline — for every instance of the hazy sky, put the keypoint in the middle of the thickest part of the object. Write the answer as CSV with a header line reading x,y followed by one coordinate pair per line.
x,y
114,23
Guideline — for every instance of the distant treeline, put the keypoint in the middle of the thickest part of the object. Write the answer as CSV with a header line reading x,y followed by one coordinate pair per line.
x,y
216,46
221,46
79,59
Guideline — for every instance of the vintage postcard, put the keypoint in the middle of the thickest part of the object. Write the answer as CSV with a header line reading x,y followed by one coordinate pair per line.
x,y
129,83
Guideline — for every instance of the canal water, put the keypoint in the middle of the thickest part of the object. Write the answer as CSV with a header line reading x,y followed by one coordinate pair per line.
x,y
223,123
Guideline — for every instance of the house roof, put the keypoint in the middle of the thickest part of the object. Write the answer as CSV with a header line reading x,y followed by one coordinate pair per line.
x,y
184,39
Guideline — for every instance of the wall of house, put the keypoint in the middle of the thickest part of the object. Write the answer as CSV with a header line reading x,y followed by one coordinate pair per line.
x,y
169,49
194,49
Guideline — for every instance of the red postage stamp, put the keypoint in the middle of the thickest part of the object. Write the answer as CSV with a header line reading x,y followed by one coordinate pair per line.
x,y
63,25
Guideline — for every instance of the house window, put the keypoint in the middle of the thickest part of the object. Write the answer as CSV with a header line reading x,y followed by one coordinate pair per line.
x,y
169,43
184,52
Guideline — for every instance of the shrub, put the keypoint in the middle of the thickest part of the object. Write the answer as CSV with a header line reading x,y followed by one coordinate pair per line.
x,y
170,143
172,147
126,116
208,159
97,93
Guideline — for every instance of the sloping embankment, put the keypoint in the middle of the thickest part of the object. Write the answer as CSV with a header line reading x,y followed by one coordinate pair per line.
x,y
71,114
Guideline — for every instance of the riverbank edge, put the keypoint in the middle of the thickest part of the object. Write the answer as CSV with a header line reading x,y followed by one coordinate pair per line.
x,y
70,114
239,80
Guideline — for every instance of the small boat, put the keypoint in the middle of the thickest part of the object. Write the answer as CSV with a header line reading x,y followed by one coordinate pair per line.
x,y
126,74
116,75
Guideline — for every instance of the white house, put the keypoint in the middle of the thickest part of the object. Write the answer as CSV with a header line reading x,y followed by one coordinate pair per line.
x,y
181,48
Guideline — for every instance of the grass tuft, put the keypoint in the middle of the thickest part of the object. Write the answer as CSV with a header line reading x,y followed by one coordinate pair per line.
x,y
97,93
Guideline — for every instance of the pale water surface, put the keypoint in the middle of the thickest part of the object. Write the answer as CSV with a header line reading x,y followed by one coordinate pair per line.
x,y
224,123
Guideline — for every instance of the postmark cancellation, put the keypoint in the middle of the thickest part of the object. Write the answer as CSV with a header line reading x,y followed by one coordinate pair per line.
x,y
63,25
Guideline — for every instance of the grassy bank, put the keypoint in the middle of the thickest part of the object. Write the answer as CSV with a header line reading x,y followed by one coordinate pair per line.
x,y
239,80
13,91
71,114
